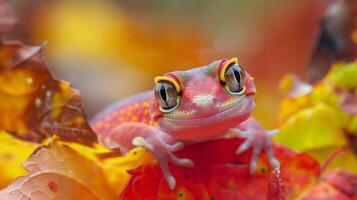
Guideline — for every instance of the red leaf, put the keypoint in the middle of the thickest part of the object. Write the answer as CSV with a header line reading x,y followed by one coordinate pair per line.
x,y
343,180
336,184
220,174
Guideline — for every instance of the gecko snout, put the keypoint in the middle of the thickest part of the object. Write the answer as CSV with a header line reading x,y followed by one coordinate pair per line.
x,y
205,102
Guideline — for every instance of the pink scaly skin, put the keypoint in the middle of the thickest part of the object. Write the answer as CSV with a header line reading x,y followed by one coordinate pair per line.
x,y
186,107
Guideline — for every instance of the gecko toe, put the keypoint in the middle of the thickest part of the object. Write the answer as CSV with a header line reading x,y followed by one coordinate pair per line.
x,y
183,162
253,166
171,181
243,147
176,147
274,163
186,163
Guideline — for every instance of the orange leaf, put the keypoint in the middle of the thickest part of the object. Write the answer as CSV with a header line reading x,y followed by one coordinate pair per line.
x,y
59,172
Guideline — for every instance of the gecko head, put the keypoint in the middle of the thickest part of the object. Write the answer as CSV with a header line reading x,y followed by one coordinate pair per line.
x,y
203,102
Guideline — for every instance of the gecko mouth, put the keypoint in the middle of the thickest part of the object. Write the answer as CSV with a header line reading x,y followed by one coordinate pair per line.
x,y
244,107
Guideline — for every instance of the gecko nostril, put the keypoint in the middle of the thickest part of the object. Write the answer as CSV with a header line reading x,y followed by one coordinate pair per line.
x,y
214,101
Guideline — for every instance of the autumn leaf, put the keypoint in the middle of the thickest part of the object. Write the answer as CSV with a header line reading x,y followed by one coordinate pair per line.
x,y
59,172
314,128
112,163
323,120
219,174
10,159
336,184
116,167
37,105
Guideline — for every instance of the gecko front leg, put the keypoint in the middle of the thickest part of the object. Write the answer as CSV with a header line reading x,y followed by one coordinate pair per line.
x,y
257,138
133,134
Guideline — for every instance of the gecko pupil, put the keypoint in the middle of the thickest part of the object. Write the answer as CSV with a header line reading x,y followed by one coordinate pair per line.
x,y
163,92
236,74
166,95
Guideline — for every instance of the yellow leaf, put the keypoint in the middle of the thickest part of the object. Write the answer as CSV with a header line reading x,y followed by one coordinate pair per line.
x,y
344,75
116,169
13,152
59,172
312,128
290,106
347,160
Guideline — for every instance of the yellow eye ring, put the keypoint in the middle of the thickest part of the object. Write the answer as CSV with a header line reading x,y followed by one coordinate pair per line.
x,y
235,93
157,79
224,68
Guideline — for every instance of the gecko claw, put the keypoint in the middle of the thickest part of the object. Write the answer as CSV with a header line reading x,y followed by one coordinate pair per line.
x,y
244,147
185,162
253,167
274,163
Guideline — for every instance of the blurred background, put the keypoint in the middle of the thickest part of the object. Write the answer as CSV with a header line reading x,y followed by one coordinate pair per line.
x,y
112,49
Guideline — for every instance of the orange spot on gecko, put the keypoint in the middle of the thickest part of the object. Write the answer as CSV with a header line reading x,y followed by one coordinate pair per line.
x,y
134,118
108,118
99,125
129,113
116,114
145,104
107,126
52,186
130,108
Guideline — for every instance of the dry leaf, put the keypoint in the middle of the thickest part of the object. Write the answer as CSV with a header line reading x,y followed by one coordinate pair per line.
x,y
59,172
36,105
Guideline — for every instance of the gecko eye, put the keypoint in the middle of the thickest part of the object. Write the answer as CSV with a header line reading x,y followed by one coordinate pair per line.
x,y
233,78
167,96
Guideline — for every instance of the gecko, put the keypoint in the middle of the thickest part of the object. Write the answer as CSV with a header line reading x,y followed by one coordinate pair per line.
x,y
186,107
